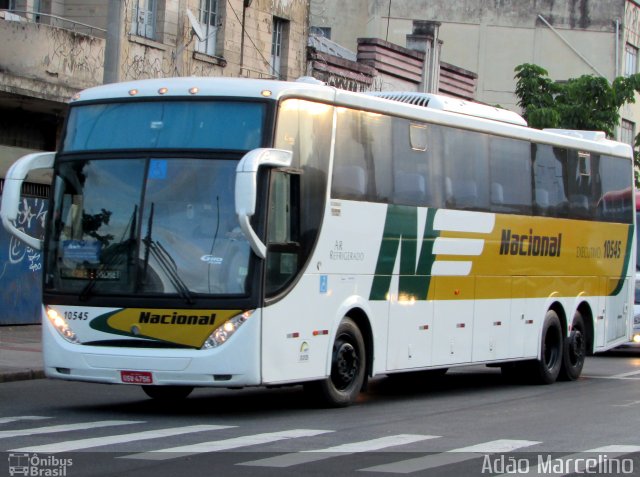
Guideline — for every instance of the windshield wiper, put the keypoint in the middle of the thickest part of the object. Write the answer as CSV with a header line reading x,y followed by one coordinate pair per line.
x,y
165,260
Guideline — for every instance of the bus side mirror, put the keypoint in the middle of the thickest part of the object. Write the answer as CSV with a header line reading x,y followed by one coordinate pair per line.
x,y
247,189
11,193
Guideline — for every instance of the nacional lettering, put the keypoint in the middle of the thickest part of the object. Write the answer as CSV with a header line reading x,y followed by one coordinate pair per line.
x,y
176,319
530,245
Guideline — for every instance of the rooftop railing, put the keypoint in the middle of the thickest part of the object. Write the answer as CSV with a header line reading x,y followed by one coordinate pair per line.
x,y
52,20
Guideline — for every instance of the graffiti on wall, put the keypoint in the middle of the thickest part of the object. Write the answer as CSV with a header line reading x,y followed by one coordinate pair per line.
x,y
143,58
21,267
77,57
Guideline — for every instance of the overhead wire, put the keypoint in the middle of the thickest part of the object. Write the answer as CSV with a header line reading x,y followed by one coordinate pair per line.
x,y
271,68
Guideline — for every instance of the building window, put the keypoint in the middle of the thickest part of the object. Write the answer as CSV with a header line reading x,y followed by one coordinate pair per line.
x,y
278,47
7,4
627,132
323,32
143,20
630,60
209,23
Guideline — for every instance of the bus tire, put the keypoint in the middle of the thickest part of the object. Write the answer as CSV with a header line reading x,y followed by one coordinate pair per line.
x,y
547,368
348,368
575,350
167,393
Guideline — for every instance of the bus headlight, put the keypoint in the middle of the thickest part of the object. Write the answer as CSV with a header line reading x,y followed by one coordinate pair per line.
x,y
60,324
226,330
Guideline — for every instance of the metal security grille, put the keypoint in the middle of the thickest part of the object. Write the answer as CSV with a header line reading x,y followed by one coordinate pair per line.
x,y
30,189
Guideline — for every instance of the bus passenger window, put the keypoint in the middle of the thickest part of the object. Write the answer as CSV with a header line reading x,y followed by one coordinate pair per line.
x,y
349,182
410,189
549,177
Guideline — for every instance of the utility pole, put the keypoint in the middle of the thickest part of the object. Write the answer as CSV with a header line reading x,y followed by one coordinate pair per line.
x,y
112,47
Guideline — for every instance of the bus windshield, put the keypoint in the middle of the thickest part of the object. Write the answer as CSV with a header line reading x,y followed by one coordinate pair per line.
x,y
228,125
147,226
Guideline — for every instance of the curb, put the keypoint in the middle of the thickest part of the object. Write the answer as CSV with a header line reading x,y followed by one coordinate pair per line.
x,y
22,375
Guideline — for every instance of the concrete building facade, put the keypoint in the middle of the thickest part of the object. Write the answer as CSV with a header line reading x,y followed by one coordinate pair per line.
x,y
568,38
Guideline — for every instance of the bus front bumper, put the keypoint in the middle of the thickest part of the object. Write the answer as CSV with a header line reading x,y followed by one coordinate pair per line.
x,y
233,364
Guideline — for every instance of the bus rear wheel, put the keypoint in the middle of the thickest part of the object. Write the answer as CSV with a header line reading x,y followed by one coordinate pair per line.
x,y
547,368
167,393
348,367
575,350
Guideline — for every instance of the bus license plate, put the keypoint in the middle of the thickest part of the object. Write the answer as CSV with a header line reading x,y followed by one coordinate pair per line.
x,y
136,377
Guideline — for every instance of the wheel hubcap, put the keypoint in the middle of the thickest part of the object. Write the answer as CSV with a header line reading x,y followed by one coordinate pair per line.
x,y
576,346
345,365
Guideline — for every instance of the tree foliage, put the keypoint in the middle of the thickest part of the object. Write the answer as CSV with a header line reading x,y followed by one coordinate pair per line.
x,y
588,102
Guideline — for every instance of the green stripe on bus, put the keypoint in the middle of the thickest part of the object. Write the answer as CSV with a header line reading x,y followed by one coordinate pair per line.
x,y
401,231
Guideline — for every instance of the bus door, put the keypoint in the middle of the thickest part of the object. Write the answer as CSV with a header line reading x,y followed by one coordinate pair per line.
x,y
617,311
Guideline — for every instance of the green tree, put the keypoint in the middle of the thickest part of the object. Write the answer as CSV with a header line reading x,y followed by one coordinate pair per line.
x,y
588,102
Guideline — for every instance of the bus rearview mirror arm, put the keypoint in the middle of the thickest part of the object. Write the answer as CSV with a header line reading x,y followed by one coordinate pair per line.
x,y
247,189
11,193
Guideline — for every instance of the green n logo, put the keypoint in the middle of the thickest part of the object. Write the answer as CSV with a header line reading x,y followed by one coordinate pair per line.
x,y
401,230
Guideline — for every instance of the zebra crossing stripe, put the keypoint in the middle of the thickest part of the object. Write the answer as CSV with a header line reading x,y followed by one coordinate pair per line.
x,y
601,461
118,439
305,457
64,428
493,447
223,445
453,456
626,375
7,420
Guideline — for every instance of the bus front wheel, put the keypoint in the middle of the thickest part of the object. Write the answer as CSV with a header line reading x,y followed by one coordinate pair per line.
x,y
348,367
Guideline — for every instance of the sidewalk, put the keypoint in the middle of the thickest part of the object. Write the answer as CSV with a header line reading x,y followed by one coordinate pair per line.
x,y
20,353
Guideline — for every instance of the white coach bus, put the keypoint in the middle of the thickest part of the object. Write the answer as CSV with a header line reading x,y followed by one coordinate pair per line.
x,y
230,232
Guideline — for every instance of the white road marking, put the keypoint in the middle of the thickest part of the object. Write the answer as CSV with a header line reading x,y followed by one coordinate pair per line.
x,y
64,428
226,444
118,439
453,456
6,420
305,457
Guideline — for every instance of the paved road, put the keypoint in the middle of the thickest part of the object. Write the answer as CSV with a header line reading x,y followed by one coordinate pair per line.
x,y
469,422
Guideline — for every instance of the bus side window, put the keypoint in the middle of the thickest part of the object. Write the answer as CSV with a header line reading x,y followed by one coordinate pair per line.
x,y
349,182
617,203
466,167
410,189
510,174
549,181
